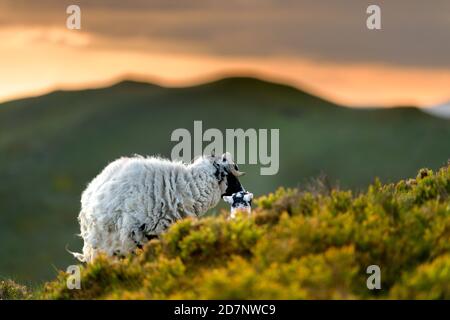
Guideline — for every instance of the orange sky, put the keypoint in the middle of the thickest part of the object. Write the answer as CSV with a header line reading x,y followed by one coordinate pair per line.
x,y
329,56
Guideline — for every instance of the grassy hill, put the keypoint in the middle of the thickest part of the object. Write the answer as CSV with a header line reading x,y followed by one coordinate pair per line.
x,y
298,244
52,145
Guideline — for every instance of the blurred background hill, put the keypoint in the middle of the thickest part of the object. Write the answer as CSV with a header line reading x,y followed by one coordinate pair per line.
x,y
51,146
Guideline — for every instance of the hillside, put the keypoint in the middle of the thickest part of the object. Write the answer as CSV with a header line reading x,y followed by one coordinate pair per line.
x,y
298,244
52,145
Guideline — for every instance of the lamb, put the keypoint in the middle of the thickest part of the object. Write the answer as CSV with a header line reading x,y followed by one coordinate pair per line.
x,y
136,199
240,201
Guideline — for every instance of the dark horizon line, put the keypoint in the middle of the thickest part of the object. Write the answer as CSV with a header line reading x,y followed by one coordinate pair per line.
x,y
141,81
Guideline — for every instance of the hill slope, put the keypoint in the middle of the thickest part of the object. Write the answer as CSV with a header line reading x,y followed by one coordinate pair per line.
x,y
297,245
52,145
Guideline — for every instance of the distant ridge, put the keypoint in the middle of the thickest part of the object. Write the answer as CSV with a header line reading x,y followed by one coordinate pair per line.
x,y
127,83
233,83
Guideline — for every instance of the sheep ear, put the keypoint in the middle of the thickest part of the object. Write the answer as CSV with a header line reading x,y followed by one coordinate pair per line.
x,y
248,197
226,157
228,199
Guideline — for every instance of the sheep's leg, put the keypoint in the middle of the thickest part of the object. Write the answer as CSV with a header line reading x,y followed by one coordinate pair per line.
x,y
138,235
141,234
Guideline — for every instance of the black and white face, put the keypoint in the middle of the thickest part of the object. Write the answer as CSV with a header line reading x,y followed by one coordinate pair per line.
x,y
233,185
227,173
239,201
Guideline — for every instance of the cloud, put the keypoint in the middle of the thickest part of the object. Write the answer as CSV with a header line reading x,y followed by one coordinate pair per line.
x,y
22,38
415,32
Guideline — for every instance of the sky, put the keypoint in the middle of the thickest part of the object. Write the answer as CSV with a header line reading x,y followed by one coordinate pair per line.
x,y
323,47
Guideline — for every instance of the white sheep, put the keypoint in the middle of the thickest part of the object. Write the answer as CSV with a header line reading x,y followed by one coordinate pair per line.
x,y
240,201
135,199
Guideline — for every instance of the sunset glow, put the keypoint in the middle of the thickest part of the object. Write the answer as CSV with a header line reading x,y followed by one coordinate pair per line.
x,y
39,56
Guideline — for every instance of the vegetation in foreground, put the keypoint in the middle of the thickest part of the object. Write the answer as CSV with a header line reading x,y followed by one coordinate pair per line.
x,y
9,290
299,244
51,146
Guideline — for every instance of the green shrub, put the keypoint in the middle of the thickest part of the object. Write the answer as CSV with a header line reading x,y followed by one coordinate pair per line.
x,y
297,245
427,281
9,290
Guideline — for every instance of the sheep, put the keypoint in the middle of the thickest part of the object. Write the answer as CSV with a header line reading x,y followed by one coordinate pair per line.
x,y
240,201
136,199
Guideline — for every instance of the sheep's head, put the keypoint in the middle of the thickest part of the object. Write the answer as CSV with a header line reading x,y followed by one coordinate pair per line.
x,y
239,201
230,166
227,172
